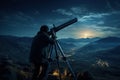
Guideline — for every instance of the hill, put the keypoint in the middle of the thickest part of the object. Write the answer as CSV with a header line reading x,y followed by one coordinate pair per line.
x,y
101,44
79,42
16,48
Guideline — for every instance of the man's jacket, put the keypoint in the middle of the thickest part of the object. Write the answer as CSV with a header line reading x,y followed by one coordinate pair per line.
x,y
39,47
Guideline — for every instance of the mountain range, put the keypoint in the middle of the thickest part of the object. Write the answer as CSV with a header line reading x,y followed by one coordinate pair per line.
x,y
96,55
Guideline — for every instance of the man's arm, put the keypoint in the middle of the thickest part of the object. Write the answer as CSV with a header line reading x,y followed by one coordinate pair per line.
x,y
48,39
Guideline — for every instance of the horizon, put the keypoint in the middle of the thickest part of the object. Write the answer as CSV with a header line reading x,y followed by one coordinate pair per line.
x,y
62,38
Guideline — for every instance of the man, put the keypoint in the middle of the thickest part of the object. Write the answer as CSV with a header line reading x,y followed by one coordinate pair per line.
x,y
39,52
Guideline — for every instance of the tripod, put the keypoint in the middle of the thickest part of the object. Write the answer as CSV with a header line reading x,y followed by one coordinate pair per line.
x,y
56,46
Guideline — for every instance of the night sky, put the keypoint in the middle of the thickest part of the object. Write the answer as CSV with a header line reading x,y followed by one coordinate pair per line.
x,y
96,18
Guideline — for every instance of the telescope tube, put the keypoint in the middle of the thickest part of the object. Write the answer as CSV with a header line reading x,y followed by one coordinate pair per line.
x,y
55,29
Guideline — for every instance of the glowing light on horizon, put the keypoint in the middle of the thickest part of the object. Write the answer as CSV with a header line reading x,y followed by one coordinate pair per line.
x,y
87,33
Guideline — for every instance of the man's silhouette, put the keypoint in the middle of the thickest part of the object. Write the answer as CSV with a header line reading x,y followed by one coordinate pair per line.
x,y
39,53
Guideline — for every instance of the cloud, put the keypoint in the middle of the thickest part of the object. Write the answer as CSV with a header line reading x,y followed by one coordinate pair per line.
x,y
86,17
110,31
112,20
92,16
79,10
64,12
81,13
18,23
73,11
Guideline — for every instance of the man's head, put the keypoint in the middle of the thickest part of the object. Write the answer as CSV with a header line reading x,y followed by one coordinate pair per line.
x,y
44,28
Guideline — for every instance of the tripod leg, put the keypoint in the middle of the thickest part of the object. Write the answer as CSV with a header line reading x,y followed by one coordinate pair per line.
x,y
57,58
51,47
64,58
50,51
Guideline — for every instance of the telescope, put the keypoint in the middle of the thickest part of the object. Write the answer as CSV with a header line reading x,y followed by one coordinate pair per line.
x,y
58,49
55,29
